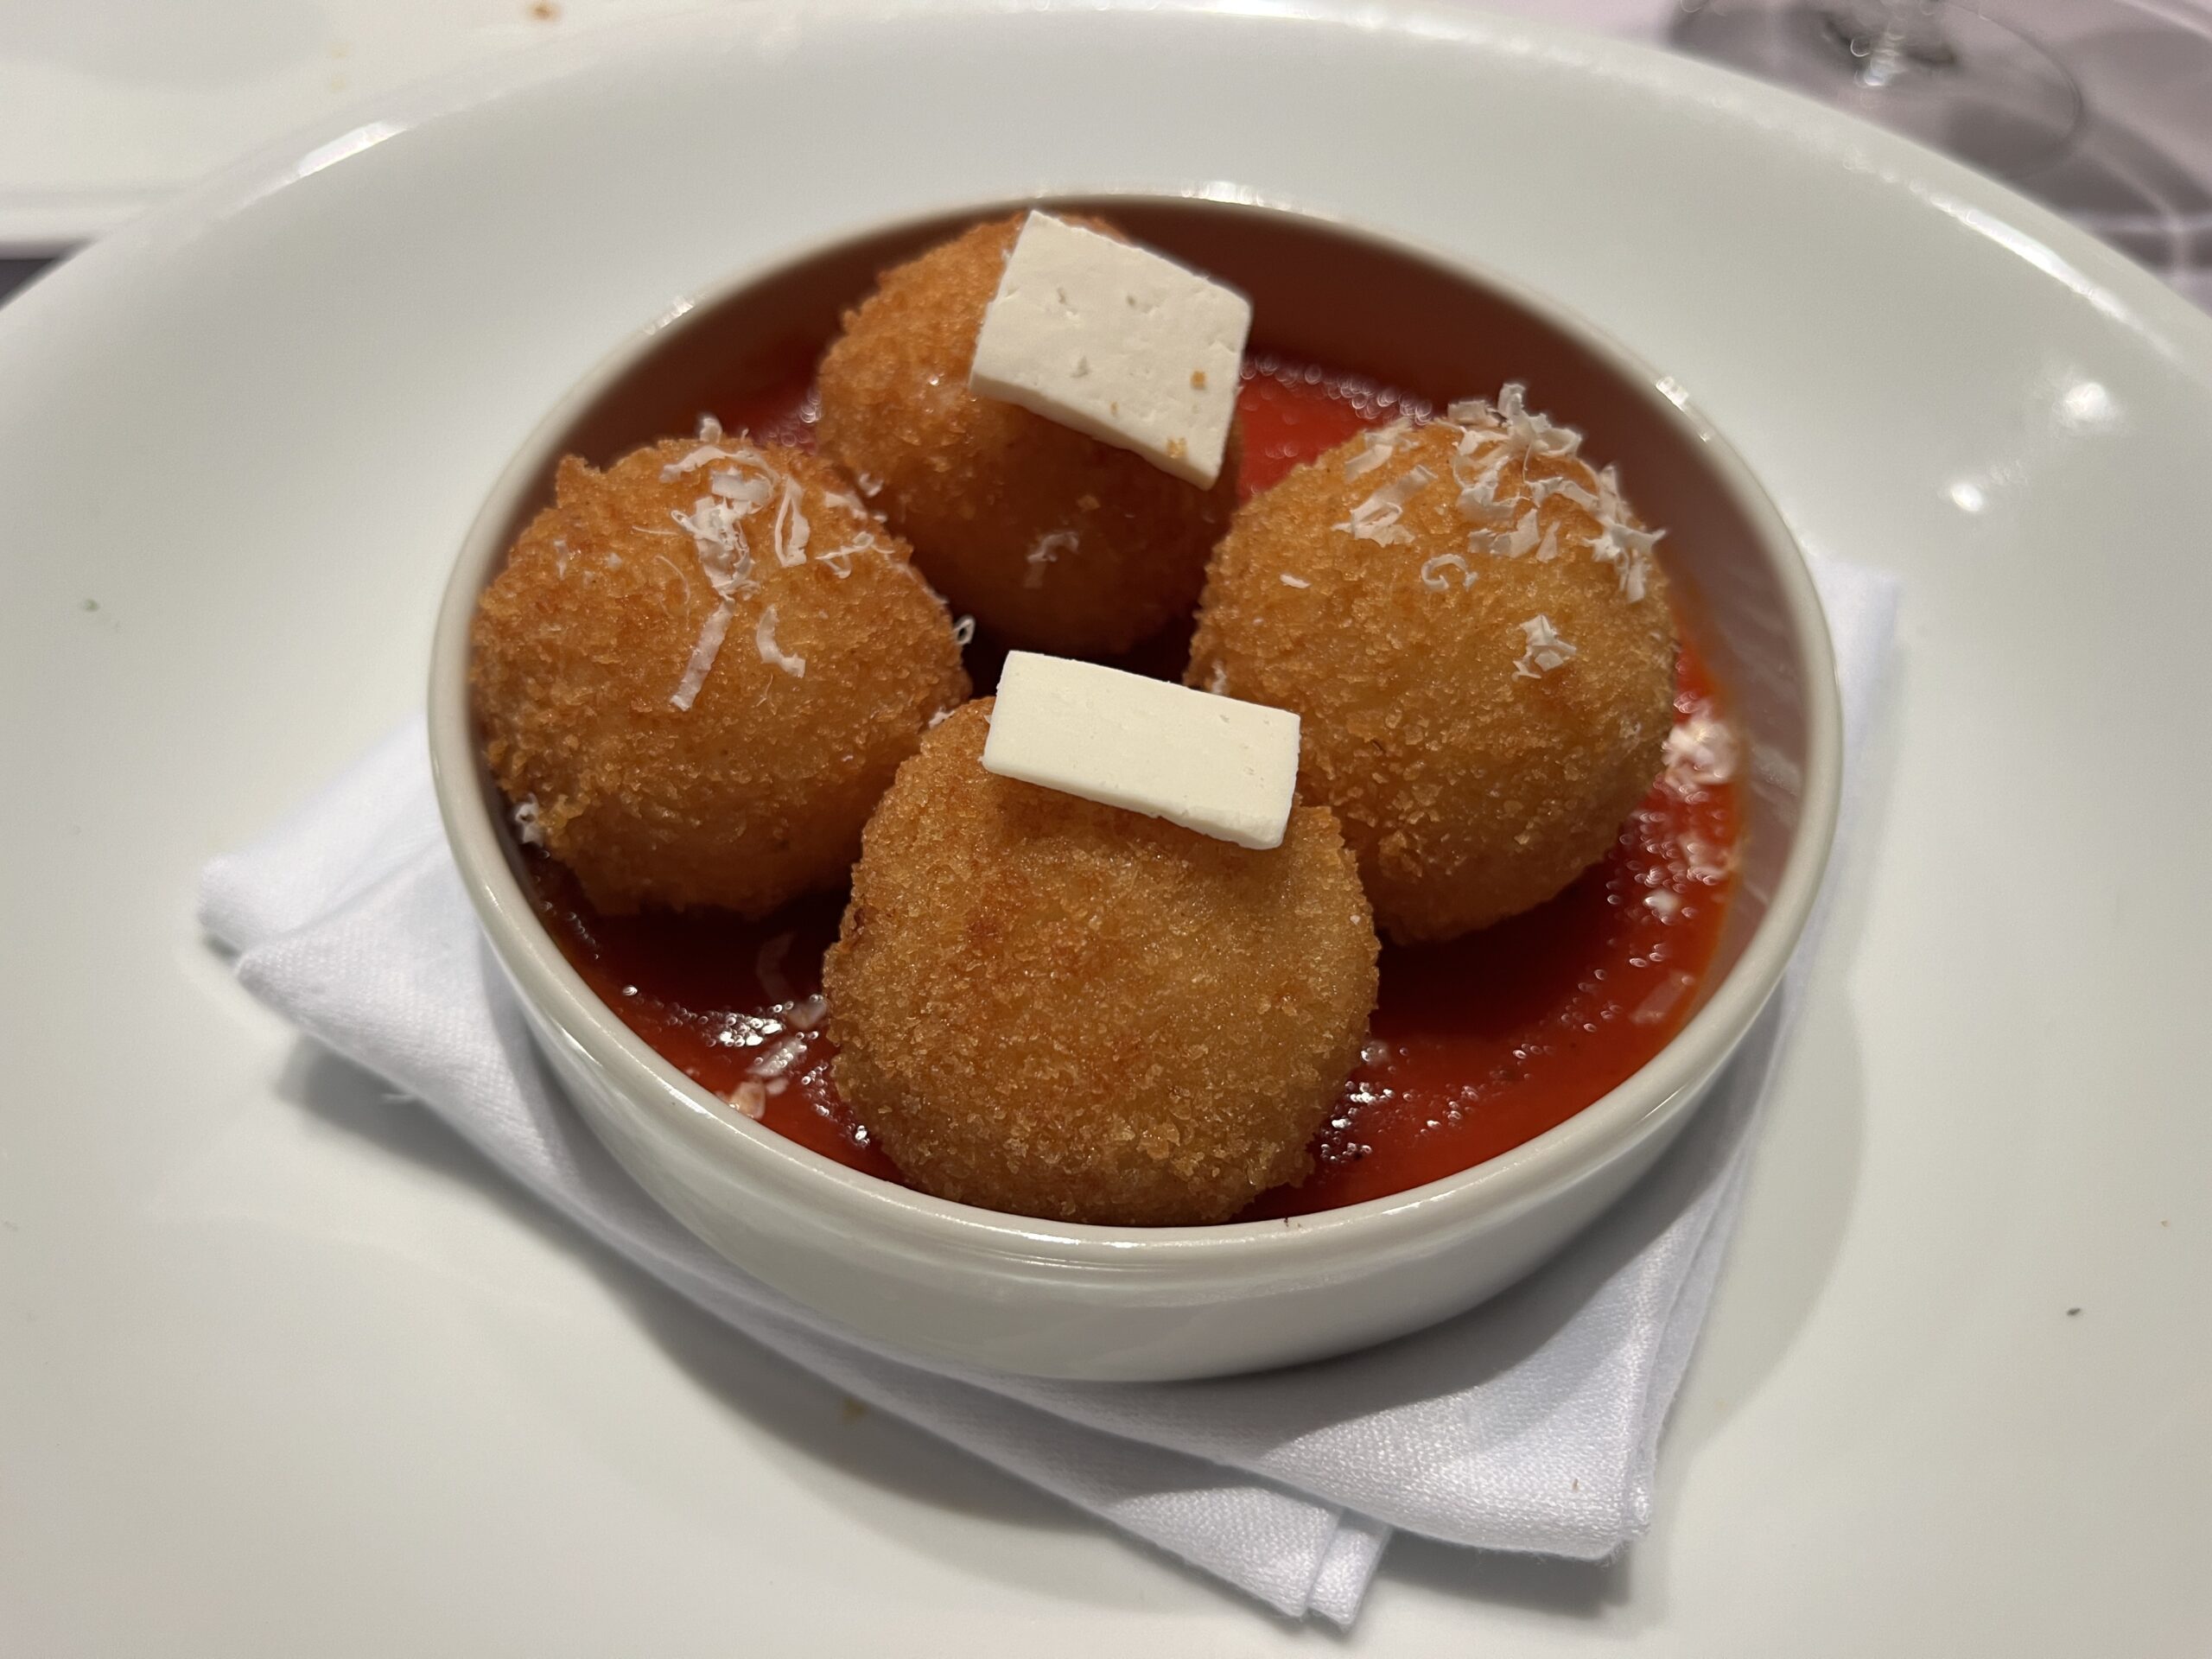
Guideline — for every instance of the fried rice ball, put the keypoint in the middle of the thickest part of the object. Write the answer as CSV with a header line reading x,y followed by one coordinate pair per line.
x,y
1059,1009
1053,539
1484,673
675,747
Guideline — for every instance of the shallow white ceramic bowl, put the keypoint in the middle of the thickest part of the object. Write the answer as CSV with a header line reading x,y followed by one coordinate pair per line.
x,y
958,1284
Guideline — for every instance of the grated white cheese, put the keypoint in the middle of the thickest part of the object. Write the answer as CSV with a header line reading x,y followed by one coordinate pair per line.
x,y
1509,544
692,462
1376,447
1606,502
747,491
1289,581
1610,504
840,559
1048,548
1376,519
1533,434
1495,435
1629,550
1546,652
1526,536
791,530
706,454
751,1099
1475,414
807,1012
1702,751
1478,481
710,429
716,526
779,1057
702,655
1583,498
726,558
1432,577
525,815
1217,681
764,639
870,484
717,534
1707,862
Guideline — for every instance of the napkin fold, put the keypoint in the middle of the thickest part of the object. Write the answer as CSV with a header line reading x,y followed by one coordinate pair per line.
x,y
1530,1423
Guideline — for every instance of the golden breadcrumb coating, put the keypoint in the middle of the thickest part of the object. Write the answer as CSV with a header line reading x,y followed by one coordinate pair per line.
x,y
1051,538
1060,1009
757,791
1472,780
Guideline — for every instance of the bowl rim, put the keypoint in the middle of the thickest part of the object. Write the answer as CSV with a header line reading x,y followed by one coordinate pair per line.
x,y
1515,1180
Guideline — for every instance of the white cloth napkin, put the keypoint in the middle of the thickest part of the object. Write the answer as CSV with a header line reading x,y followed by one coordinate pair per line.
x,y
1531,1423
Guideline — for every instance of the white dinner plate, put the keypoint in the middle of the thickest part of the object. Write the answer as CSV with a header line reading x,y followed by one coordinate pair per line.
x,y
284,1371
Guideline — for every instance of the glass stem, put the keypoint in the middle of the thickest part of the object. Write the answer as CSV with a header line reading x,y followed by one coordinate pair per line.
x,y
1889,39
1888,54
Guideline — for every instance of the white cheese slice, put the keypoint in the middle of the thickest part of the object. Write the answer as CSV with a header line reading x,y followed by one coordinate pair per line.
x,y
1116,341
1222,768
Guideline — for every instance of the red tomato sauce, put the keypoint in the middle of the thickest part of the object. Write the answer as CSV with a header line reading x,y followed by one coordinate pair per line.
x,y
1475,1047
